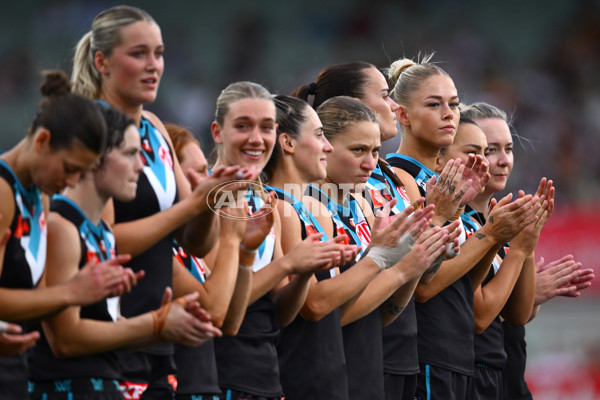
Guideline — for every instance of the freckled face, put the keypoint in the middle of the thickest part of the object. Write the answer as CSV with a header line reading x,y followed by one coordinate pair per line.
x,y
500,152
355,154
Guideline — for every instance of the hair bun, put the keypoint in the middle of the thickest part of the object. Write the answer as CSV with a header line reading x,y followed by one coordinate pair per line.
x,y
398,67
56,84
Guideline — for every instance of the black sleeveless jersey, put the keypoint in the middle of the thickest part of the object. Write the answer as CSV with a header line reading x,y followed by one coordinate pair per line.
x,y
311,354
248,361
156,191
489,345
96,242
23,265
445,323
381,189
400,337
362,339
196,366
25,255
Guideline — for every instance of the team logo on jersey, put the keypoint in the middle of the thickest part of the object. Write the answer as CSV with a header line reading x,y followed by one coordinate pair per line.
x,y
402,192
378,199
363,232
165,156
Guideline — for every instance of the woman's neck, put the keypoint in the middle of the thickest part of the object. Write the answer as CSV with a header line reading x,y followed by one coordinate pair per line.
x,y
18,160
424,154
132,111
481,202
86,196
286,174
334,190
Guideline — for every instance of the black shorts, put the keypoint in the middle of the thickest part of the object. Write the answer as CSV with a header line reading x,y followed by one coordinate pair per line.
x,y
436,383
150,370
487,383
13,377
399,387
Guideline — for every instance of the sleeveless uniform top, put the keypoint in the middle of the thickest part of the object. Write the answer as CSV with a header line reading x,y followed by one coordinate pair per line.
x,y
96,242
362,339
248,361
446,322
156,191
23,266
25,256
381,189
489,345
400,337
311,354
196,366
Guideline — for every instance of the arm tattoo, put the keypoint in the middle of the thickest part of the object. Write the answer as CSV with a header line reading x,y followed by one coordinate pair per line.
x,y
479,236
491,219
433,268
393,309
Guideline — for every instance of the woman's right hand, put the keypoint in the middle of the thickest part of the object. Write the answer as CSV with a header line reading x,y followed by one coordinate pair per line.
x,y
447,190
97,281
234,179
387,229
13,341
312,254
506,219
186,323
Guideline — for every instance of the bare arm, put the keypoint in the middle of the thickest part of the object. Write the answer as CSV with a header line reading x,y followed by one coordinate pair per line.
x,y
489,300
194,223
71,335
216,292
397,281
505,220
92,283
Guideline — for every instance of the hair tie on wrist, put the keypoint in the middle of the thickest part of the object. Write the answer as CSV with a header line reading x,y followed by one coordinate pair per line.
x,y
312,87
159,318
